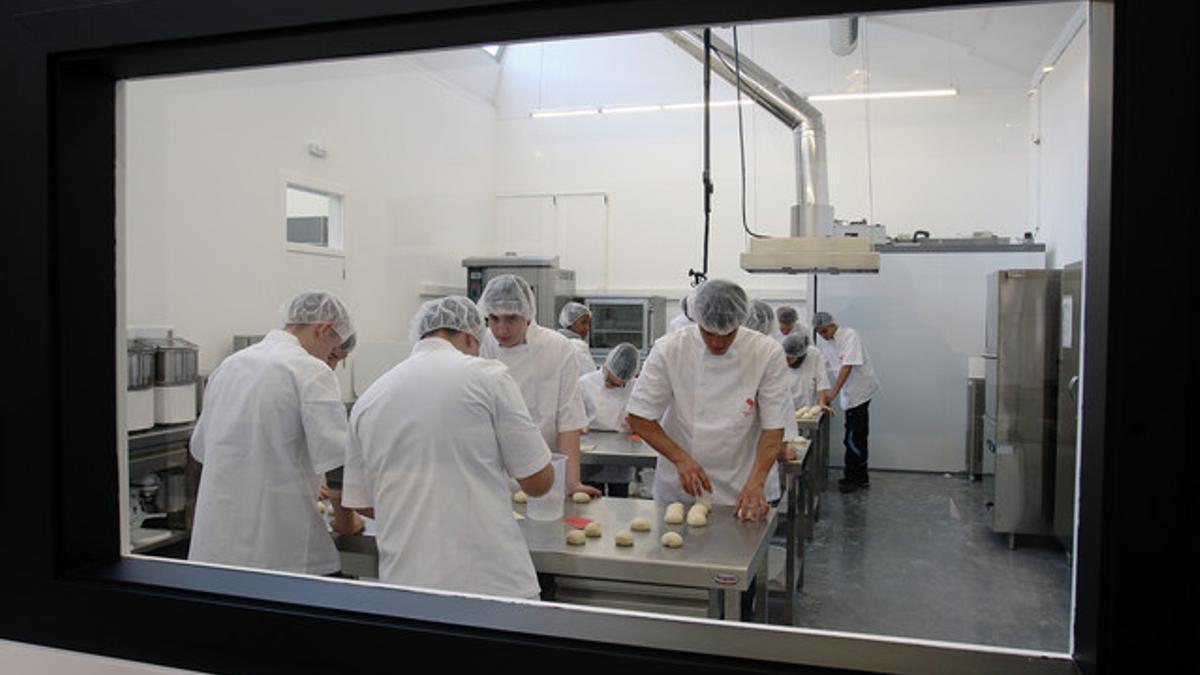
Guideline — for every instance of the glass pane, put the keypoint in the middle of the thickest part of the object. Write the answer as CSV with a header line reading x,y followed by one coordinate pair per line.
x,y
312,218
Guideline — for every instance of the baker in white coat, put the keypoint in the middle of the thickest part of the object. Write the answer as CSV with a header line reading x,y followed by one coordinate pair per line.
x,y
786,318
855,386
273,423
544,365
575,321
807,372
722,393
432,445
606,391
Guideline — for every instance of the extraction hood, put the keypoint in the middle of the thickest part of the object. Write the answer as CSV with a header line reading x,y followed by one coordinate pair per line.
x,y
811,249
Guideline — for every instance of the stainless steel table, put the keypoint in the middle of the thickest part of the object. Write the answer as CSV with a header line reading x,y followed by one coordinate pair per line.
x,y
816,430
797,479
611,448
721,558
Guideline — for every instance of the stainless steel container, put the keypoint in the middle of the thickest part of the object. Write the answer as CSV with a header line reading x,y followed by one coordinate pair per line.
x,y
175,362
141,365
974,449
240,342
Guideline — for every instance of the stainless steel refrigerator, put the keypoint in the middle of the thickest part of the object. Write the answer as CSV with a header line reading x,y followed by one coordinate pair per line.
x,y
1021,398
1068,405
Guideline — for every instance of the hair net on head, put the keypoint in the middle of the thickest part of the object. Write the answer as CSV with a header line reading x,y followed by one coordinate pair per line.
x,y
571,312
761,317
795,343
786,316
452,312
623,361
310,307
719,306
508,294
822,319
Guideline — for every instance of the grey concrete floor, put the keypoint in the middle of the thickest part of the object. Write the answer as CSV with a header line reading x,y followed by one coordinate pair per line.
x,y
914,556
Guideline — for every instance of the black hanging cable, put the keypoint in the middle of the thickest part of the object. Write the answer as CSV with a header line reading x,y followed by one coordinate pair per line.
x,y
706,179
737,69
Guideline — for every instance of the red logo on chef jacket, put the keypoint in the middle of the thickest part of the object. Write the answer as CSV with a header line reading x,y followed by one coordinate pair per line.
x,y
749,408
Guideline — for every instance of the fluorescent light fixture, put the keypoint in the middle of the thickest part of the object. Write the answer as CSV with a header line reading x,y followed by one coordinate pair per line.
x,y
620,110
1047,69
581,112
876,95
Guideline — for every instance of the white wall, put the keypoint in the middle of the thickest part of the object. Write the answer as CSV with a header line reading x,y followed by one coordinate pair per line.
x,y
950,166
1060,115
207,158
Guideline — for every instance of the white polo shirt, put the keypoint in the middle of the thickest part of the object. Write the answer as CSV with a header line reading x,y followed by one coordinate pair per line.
x,y
714,407
273,423
846,349
433,443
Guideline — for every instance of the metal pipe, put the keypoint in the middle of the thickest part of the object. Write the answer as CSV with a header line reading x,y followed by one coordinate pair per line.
x,y
812,214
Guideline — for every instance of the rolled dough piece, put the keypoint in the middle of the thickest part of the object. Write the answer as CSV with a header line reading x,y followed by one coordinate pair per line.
x,y
624,538
520,497
593,529
576,538
674,515
640,525
697,516
672,540
581,497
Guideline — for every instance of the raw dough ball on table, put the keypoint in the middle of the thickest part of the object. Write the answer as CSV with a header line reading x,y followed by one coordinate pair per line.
x,y
674,515
704,501
624,538
520,497
672,540
593,529
581,497
576,538
697,516
640,525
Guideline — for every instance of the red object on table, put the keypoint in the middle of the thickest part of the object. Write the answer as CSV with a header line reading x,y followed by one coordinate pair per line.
x,y
578,523
634,437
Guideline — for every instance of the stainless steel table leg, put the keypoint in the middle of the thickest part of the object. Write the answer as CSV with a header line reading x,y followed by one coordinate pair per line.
x,y
760,591
733,605
789,579
715,597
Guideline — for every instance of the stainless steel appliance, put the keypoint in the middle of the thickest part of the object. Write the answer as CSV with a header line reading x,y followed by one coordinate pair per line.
x,y
139,395
1068,403
175,376
552,286
975,410
162,489
1021,397
637,320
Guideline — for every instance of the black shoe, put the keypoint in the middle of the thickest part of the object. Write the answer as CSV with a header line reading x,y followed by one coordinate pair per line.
x,y
845,486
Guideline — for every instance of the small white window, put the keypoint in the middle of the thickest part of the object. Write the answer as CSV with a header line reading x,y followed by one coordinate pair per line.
x,y
314,218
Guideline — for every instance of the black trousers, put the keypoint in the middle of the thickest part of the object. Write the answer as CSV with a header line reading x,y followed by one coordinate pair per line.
x,y
858,423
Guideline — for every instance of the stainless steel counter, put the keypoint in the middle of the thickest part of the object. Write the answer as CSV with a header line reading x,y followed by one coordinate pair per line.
x,y
611,448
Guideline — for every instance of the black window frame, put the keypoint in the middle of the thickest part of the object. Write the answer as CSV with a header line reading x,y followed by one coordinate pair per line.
x,y
64,581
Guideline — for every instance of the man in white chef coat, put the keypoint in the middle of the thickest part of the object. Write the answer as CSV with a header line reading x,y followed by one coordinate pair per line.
x,y
432,445
786,318
272,424
575,321
855,385
544,365
722,393
605,393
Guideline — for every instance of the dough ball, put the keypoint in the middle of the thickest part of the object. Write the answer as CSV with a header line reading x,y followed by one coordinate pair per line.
x,y
706,503
640,525
576,538
624,538
581,497
520,497
672,540
697,516
593,529
674,515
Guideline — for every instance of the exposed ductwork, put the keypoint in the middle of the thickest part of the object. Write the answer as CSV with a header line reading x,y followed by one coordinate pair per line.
x,y
812,215
843,35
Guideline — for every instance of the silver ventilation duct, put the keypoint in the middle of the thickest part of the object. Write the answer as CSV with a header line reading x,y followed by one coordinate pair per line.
x,y
812,215
843,35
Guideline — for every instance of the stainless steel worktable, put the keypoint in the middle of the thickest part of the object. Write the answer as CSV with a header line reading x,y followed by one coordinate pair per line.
x,y
721,558
612,448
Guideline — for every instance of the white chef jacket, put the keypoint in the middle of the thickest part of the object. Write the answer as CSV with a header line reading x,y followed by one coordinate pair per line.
x,y
583,356
846,349
809,378
273,423
546,369
605,406
432,445
714,407
678,322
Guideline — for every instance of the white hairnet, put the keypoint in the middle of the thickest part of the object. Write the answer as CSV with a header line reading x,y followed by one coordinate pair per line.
x,y
508,294
623,361
786,315
315,306
719,306
822,319
761,317
452,312
795,343
571,312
